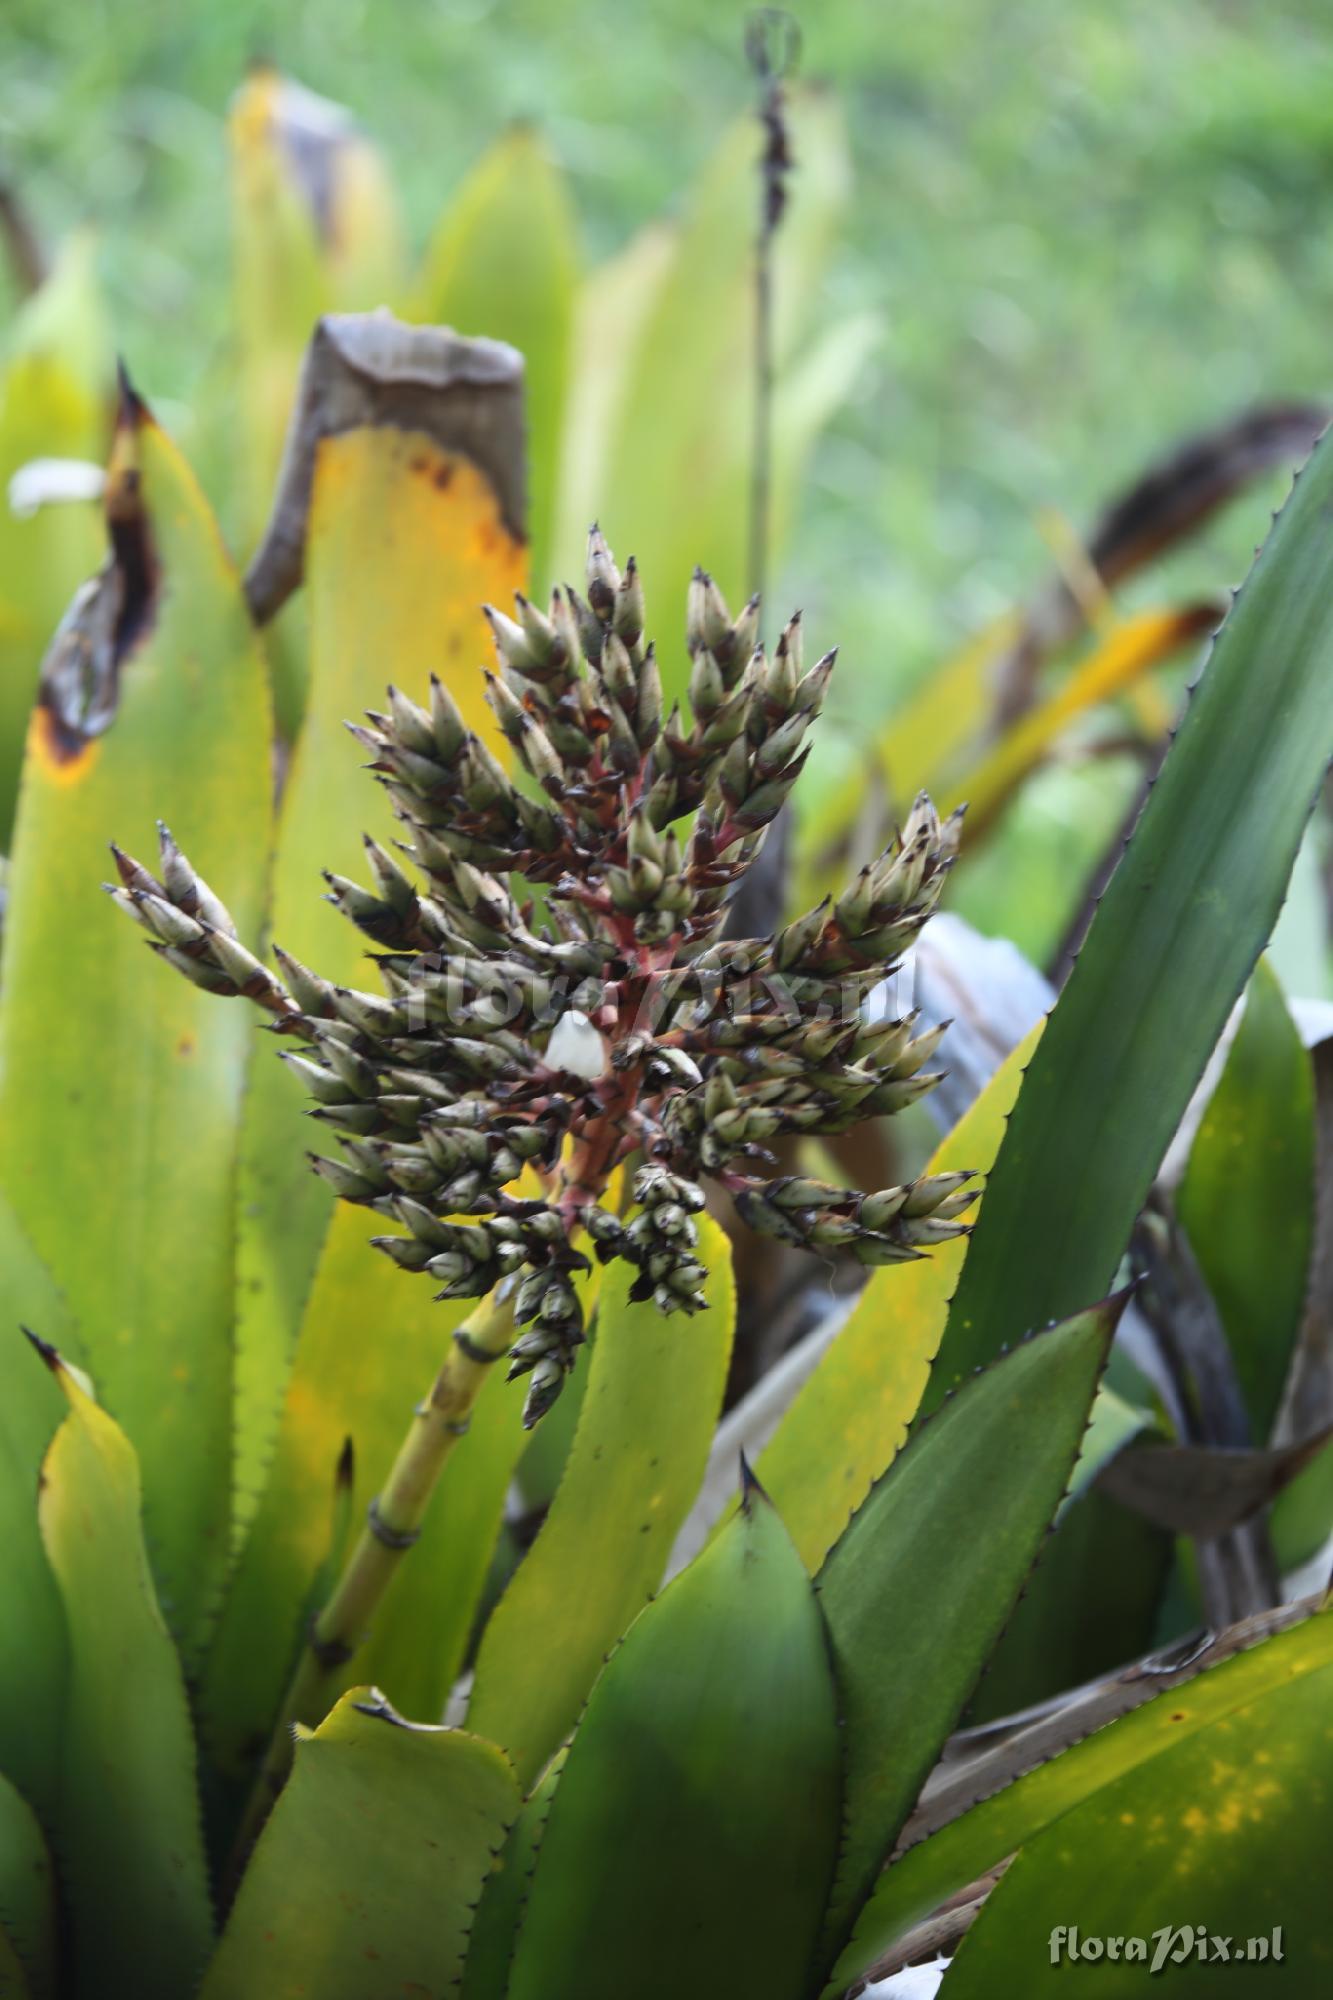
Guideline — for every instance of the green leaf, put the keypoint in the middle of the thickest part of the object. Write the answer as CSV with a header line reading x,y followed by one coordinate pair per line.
x,y
929,1873
1176,936
121,1084
692,1834
27,1901
849,1419
680,435
315,228
33,1647
55,402
495,1922
1247,1196
13,1979
364,1878
129,1839
1093,1602
1215,1836
1095,1597
917,1589
403,540
611,309
503,262
649,1412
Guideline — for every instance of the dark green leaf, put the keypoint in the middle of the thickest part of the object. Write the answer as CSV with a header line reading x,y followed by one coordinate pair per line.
x,y
693,1831
495,1921
918,1587
1247,1196
1187,912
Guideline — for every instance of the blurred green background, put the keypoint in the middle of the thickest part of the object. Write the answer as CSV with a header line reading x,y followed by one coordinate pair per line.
x,y
1086,228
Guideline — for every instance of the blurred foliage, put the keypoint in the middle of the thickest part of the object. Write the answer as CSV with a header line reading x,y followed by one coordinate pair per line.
x,y
1089,228
1083,232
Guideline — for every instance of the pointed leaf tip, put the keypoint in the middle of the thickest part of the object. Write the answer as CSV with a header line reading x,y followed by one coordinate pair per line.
x,y
50,1355
131,410
750,1486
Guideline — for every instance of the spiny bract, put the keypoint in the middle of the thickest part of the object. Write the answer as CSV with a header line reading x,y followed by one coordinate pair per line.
x,y
558,994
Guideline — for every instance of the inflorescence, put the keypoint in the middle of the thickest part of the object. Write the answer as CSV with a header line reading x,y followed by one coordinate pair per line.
x,y
558,995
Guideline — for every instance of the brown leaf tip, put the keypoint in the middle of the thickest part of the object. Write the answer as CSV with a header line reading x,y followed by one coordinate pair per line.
x,y
750,1486
131,409
50,1355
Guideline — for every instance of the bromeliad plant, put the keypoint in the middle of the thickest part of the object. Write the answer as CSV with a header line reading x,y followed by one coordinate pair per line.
x,y
711,1807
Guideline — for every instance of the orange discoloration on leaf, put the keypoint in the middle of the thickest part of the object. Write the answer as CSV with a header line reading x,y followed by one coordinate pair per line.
x,y
53,754
437,546
405,541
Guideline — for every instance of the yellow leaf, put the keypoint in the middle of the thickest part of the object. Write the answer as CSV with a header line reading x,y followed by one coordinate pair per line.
x,y
1119,660
405,536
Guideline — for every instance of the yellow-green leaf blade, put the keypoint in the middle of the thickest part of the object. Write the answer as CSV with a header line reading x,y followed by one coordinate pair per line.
x,y
849,1419
371,1342
364,1879
1116,663
653,1396
33,1646
315,228
405,535
130,1842
1214,1837
121,1084
55,402
925,1877
693,1829
503,263
27,1900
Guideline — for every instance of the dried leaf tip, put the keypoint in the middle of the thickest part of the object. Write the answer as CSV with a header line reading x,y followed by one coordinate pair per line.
x,y
751,1489
131,409
49,1354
